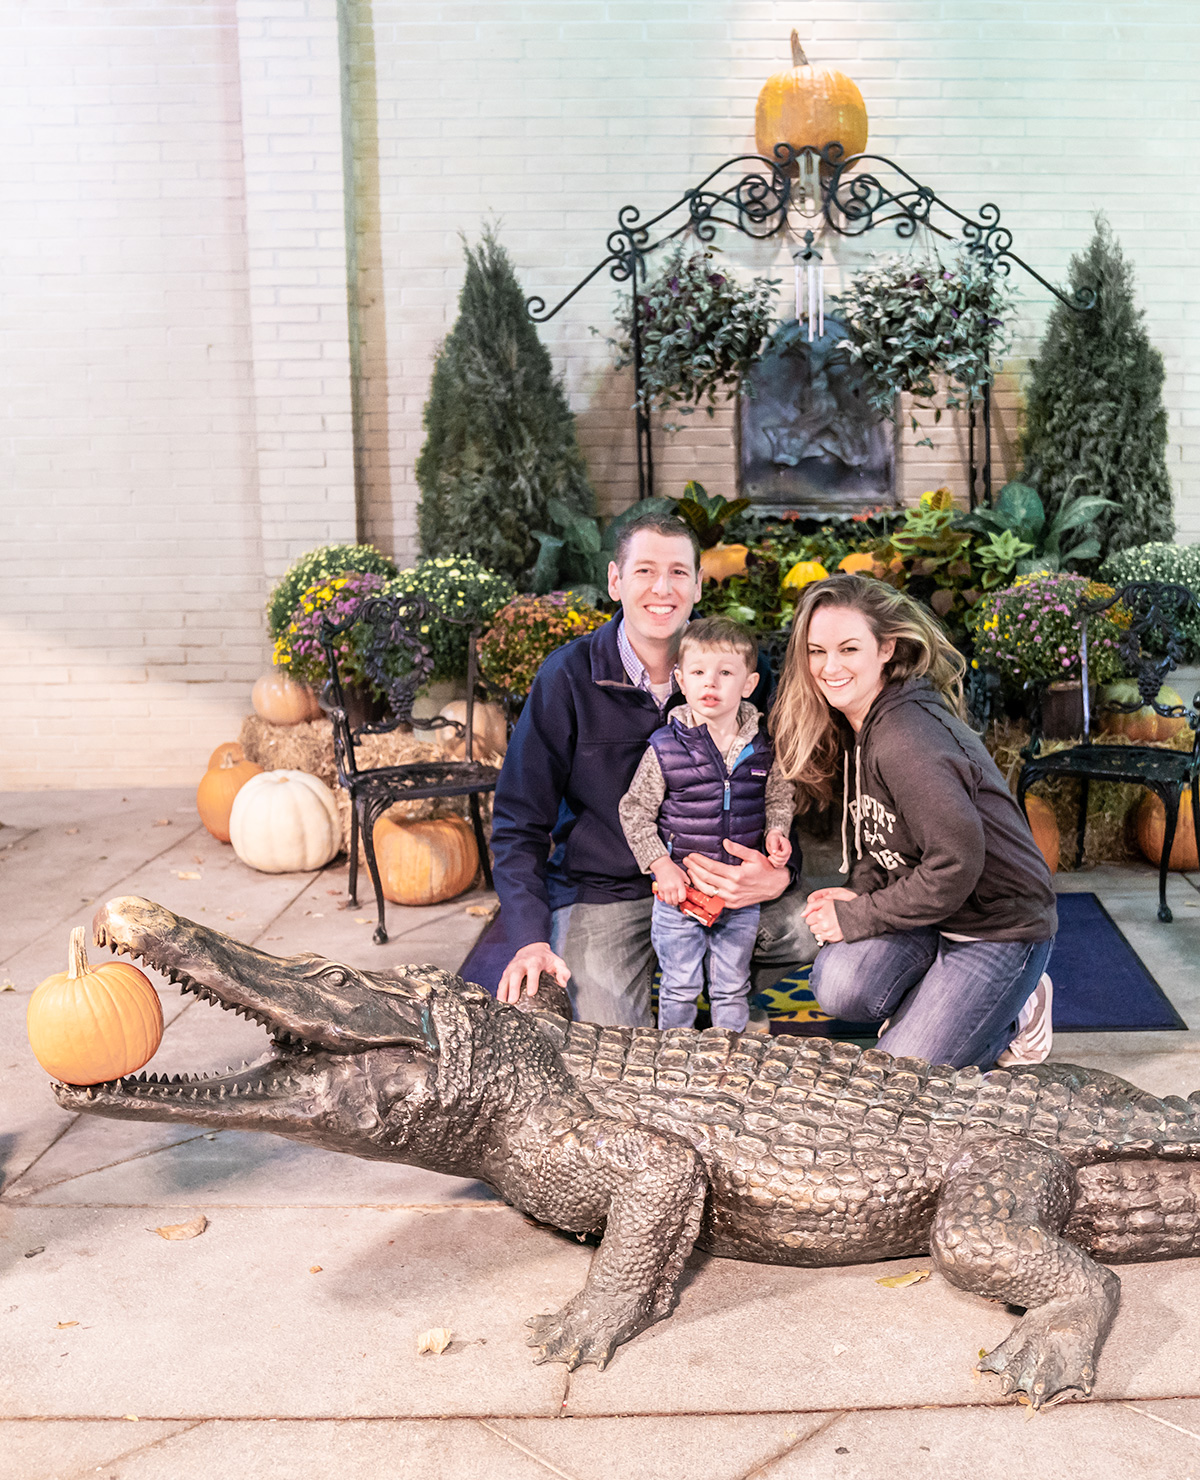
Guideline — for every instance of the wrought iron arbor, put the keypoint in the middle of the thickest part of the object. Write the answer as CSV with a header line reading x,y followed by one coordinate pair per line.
x,y
759,202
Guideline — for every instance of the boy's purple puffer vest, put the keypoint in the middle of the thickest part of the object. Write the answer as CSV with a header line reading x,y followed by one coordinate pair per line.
x,y
705,803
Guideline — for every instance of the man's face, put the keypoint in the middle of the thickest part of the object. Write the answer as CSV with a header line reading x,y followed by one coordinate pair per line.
x,y
657,585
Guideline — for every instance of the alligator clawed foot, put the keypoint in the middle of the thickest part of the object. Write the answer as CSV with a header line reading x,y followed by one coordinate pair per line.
x,y
576,1335
1050,1355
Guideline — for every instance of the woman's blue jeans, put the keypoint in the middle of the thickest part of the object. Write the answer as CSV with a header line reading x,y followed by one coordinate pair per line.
x,y
951,1002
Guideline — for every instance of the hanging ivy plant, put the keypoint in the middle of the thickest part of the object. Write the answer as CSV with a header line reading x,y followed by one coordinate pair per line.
x,y
701,329
913,320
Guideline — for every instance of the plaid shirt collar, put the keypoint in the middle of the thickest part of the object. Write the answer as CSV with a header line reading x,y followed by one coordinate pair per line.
x,y
635,669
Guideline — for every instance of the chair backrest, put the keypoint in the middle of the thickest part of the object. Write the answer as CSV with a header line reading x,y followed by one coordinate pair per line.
x,y
1156,608
395,659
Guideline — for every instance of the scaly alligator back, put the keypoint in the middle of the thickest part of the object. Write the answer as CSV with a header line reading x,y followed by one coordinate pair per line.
x,y
819,1151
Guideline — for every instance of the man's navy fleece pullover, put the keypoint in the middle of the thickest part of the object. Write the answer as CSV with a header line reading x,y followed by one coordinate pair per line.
x,y
556,833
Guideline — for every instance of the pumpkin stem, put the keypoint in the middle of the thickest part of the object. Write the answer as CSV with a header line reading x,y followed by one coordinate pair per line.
x,y
77,961
227,761
798,57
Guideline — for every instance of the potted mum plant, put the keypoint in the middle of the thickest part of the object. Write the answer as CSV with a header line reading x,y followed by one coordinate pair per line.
x,y
1029,635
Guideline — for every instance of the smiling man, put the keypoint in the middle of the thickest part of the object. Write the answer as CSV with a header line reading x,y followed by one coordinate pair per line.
x,y
574,901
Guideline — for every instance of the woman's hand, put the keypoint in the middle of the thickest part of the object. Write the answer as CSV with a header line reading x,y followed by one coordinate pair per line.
x,y
754,881
820,915
525,970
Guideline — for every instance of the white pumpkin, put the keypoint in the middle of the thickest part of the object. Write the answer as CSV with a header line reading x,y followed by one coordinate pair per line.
x,y
285,822
488,726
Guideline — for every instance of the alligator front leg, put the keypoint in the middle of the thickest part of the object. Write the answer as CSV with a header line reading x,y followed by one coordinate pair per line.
x,y
997,1233
648,1190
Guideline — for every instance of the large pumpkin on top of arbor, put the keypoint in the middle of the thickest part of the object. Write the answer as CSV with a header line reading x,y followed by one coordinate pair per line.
x,y
425,862
88,1024
808,107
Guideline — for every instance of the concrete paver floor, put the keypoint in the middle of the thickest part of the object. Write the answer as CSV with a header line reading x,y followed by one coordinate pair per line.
x,y
281,1343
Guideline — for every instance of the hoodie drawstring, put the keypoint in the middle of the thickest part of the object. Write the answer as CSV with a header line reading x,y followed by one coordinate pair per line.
x,y
845,868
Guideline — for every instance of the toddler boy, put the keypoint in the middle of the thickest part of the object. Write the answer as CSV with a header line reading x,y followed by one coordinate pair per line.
x,y
707,775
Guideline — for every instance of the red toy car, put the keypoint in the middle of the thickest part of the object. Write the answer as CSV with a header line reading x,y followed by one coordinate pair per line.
x,y
700,906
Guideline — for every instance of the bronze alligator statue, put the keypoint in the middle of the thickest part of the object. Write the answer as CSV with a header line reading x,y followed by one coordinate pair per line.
x,y
783,1150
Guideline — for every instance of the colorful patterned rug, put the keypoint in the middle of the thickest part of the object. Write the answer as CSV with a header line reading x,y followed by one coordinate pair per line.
x,y
1100,985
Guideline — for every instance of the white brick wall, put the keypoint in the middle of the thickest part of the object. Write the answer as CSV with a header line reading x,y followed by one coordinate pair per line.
x,y
177,367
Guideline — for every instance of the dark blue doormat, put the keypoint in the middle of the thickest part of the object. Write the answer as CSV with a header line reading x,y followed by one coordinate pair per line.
x,y
1100,986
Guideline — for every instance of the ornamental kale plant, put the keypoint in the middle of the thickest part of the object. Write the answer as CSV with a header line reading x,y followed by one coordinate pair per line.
x,y
316,568
1030,632
524,634
457,587
700,330
913,320
298,648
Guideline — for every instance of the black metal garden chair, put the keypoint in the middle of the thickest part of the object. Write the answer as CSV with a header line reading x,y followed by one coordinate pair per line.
x,y
1157,607
397,661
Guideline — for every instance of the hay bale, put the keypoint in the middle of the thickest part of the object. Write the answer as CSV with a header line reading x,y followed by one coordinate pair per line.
x,y
1111,804
309,747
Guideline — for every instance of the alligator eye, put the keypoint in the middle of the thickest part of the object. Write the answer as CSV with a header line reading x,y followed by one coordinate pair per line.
x,y
334,977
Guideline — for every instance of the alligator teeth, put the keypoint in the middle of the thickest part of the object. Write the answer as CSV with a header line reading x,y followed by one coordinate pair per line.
x,y
220,1092
233,1092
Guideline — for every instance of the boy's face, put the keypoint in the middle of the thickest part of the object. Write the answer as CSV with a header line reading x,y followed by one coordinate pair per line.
x,y
714,680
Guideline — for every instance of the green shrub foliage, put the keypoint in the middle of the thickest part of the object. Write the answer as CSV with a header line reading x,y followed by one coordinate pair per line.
x,y
1096,421
500,438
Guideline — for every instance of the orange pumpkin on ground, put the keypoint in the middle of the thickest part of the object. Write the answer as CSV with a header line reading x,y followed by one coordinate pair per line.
x,y
280,700
218,787
425,862
723,561
1151,824
1044,826
229,747
88,1024
808,107
861,560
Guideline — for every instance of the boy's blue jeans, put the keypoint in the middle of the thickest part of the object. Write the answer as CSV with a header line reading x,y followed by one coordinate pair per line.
x,y
951,1002
690,954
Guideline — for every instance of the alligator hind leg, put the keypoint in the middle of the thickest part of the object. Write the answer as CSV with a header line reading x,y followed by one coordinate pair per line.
x,y
648,1190
998,1233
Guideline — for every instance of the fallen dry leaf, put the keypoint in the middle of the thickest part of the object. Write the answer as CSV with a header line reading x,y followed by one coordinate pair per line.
x,y
184,873
435,1340
363,920
71,831
314,1269
236,915
900,1281
132,1417
484,911
62,1325
162,822
7,987
193,1228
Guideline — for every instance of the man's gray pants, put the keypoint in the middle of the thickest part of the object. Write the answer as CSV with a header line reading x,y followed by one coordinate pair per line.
x,y
608,950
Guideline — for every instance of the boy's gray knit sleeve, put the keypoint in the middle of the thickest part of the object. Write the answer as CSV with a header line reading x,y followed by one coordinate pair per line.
x,y
638,810
781,800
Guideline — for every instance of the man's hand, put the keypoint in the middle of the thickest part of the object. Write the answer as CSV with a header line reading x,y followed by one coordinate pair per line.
x,y
525,970
670,881
755,881
779,850
820,915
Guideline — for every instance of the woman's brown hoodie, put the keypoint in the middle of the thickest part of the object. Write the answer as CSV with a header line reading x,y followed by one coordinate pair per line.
x,y
937,837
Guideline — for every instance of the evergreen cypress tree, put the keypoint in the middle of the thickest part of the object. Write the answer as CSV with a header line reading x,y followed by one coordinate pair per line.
x,y
500,437
1096,422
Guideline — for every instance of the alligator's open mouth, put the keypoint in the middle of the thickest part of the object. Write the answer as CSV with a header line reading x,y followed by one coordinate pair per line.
x,y
319,1014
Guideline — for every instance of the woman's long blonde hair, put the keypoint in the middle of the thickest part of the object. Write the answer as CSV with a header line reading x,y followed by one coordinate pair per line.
x,y
803,726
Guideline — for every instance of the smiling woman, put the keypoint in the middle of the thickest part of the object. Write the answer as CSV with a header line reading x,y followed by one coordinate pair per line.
x,y
948,917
